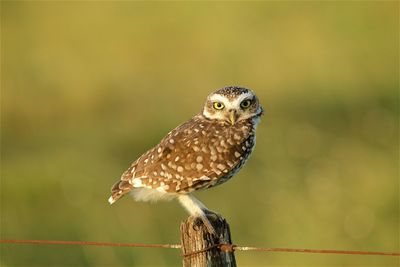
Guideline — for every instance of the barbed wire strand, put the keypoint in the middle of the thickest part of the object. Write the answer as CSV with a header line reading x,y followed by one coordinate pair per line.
x,y
326,251
223,247
88,243
231,248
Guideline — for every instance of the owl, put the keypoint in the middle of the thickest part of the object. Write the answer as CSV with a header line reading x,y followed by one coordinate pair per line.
x,y
201,153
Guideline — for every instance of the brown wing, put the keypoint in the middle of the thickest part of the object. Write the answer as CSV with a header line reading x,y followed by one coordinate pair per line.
x,y
194,155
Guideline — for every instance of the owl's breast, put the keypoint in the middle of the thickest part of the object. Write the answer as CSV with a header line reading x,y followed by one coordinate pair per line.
x,y
236,144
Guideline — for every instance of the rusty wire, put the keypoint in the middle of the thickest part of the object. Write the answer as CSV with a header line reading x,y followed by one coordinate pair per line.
x,y
222,247
88,243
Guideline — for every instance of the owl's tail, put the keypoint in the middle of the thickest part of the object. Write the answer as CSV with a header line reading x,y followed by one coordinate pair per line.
x,y
119,189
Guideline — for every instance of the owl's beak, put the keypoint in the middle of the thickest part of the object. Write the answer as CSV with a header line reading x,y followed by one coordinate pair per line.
x,y
232,116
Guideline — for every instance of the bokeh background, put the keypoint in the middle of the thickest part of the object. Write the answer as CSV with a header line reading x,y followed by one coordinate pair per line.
x,y
87,87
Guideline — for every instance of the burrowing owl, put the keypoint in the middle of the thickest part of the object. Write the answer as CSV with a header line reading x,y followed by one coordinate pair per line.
x,y
201,153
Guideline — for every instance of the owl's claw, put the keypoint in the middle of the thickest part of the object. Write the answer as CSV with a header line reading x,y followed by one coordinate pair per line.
x,y
206,219
206,222
211,215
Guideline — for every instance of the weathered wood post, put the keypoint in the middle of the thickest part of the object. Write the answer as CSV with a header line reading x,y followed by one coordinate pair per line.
x,y
202,249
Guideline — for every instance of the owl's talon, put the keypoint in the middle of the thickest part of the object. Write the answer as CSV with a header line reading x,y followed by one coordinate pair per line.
x,y
211,215
197,223
207,223
203,220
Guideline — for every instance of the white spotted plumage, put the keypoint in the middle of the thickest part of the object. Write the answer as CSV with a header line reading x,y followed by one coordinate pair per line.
x,y
201,153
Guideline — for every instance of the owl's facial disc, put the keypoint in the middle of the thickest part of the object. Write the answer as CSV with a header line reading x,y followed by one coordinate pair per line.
x,y
232,108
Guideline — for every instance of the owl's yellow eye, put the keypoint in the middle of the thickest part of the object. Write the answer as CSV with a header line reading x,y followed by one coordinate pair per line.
x,y
218,105
245,103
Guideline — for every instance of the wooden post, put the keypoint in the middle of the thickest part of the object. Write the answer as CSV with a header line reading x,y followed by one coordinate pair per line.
x,y
196,238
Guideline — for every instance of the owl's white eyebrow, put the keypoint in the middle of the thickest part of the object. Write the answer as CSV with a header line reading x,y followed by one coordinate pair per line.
x,y
219,98
245,96
231,104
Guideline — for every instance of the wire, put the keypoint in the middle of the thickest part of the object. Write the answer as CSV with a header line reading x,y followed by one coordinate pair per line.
x,y
222,247
88,243
325,251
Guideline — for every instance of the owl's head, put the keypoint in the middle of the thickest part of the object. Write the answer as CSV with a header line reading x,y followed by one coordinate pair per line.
x,y
232,104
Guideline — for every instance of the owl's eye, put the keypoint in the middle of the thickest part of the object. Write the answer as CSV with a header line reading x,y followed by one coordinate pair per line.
x,y
218,105
245,103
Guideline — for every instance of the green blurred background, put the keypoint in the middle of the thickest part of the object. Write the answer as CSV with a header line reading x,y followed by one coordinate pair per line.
x,y
86,87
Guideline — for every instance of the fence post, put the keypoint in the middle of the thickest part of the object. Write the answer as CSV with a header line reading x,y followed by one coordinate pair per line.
x,y
195,237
